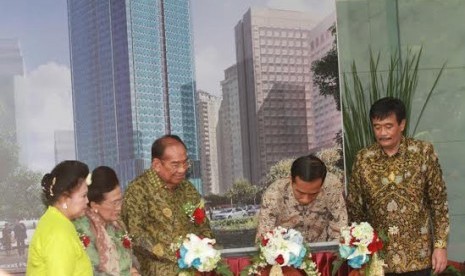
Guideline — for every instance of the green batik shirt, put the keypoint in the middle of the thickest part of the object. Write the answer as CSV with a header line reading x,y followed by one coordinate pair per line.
x,y
155,218
404,196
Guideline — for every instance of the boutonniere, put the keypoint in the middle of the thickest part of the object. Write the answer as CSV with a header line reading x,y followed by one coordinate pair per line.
x,y
196,213
126,240
85,240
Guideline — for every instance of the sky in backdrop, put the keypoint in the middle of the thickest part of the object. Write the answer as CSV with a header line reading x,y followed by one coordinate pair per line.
x,y
44,93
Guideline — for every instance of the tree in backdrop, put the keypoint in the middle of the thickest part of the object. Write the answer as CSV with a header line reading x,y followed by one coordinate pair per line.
x,y
326,73
20,195
216,200
326,77
243,192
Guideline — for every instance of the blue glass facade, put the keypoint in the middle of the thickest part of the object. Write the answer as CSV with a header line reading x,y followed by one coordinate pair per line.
x,y
133,80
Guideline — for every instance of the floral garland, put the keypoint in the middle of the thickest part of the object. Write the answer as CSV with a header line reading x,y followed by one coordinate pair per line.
x,y
196,213
282,247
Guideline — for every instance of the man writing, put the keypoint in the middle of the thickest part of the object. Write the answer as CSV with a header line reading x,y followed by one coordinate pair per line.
x,y
397,187
153,207
308,201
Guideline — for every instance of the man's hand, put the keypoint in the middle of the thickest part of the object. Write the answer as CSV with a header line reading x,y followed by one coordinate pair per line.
x,y
290,222
439,260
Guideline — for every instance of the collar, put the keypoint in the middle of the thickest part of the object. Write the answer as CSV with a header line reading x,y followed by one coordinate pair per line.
x,y
157,182
400,152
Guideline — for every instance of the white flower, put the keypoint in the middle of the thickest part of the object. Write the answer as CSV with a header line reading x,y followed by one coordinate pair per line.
x,y
202,249
282,242
89,179
363,232
289,246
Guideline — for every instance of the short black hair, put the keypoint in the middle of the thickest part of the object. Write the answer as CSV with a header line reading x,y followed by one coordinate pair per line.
x,y
159,146
62,180
104,180
384,107
308,168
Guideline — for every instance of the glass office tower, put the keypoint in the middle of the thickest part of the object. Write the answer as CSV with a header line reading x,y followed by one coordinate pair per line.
x,y
133,81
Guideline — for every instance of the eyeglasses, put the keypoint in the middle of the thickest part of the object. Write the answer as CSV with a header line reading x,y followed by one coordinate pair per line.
x,y
175,166
114,203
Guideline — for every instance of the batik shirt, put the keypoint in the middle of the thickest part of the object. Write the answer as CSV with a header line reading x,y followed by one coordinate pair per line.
x,y
402,195
318,221
155,218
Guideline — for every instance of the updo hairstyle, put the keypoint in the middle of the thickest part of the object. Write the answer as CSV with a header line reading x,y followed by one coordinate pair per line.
x,y
63,180
104,180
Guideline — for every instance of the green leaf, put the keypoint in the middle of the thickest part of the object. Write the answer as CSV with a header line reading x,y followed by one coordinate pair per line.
x,y
336,265
360,92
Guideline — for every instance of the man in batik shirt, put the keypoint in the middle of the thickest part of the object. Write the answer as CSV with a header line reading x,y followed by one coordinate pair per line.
x,y
153,207
308,201
397,187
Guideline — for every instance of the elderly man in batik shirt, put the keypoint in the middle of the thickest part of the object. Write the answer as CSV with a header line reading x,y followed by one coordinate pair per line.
x,y
153,207
309,201
397,186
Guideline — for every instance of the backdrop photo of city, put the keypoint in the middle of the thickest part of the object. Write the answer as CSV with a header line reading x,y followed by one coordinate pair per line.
x,y
247,85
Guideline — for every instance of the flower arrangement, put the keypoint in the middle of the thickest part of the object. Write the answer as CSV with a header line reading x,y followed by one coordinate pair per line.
x,y
280,248
359,245
197,254
196,213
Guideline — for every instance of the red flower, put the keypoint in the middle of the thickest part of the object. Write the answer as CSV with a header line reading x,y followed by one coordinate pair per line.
x,y
352,241
376,244
85,240
199,215
280,259
126,242
264,242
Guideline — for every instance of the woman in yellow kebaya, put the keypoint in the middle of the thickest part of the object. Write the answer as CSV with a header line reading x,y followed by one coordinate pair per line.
x,y
55,248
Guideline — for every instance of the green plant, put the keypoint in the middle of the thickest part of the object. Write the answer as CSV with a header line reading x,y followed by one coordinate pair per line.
x,y
399,81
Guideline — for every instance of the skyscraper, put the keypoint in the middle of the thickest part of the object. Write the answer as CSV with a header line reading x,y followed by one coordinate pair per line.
x,y
229,132
328,120
208,107
133,81
276,94
11,65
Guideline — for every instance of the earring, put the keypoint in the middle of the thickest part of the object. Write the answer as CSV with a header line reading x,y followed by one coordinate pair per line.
x,y
95,211
65,206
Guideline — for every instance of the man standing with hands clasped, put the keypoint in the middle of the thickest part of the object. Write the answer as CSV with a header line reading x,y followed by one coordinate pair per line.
x,y
153,208
397,187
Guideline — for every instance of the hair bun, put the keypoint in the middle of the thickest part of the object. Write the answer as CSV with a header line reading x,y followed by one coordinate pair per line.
x,y
47,185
